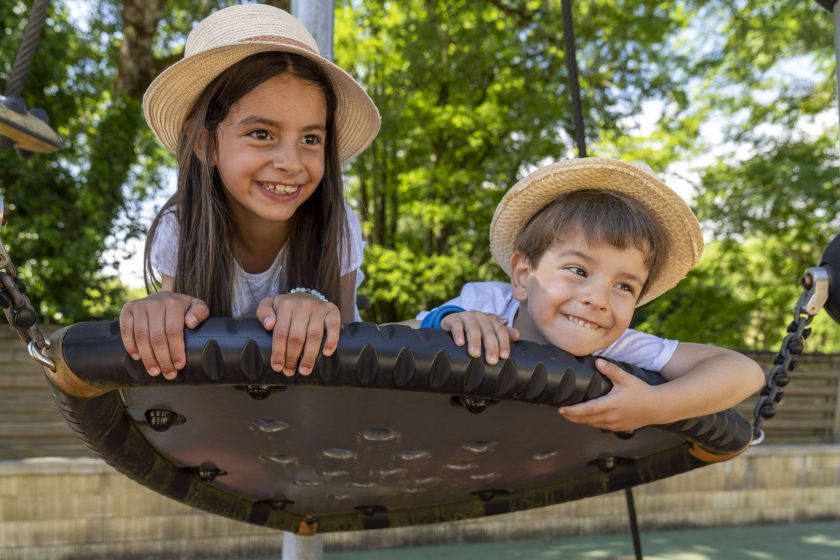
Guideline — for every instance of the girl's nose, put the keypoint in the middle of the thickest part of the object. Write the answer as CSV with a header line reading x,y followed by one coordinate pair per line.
x,y
286,157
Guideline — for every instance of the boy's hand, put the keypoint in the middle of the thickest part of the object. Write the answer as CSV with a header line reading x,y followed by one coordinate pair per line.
x,y
480,327
152,330
298,322
631,403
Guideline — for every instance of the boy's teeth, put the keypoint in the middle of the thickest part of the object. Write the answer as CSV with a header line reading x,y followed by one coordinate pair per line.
x,y
280,189
581,322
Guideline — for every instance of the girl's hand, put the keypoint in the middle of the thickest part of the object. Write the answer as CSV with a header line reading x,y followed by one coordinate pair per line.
x,y
631,403
480,327
298,322
152,330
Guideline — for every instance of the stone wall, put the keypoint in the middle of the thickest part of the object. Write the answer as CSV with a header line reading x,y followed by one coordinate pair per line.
x,y
81,508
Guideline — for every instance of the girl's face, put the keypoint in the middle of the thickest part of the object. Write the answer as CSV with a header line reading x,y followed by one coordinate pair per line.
x,y
271,150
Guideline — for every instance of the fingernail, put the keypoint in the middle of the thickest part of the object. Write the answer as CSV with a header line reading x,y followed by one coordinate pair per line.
x,y
328,351
178,365
561,411
277,367
288,372
153,371
135,357
304,370
266,323
504,355
492,360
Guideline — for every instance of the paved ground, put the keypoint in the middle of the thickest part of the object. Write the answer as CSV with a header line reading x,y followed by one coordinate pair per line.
x,y
800,541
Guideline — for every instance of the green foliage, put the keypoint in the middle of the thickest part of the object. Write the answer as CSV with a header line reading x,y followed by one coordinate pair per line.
x,y
474,95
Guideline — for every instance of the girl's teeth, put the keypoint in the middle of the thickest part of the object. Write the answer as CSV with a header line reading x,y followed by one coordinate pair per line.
x,y
280,189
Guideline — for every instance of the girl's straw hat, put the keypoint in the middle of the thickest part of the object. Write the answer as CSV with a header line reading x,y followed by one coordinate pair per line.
x,y
528,196
232,34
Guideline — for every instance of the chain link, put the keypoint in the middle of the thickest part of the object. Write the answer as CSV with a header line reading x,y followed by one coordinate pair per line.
x,y
17,307
813,298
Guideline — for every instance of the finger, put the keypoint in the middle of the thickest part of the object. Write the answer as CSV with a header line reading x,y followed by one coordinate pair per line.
x,y
127,332
159,338
472,331
314,336
513,333
502,334
457,332
144,347
612,371
174,328
296,340
278,340
266,314
585,410
197,313
332,322
491,341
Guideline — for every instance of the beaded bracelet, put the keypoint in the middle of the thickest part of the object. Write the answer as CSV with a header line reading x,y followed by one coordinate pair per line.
x,y
309,291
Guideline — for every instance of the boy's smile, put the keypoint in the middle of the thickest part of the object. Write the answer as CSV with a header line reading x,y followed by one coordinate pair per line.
x,y
579,297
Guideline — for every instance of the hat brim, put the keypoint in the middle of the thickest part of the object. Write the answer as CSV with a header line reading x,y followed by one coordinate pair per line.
x,y
529,195
172,94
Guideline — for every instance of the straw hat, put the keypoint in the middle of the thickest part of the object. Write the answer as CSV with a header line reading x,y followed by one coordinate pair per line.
x,y
529,195
229,35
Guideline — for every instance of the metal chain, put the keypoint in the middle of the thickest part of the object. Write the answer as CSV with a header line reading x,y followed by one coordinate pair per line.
x,y
813,298
17,307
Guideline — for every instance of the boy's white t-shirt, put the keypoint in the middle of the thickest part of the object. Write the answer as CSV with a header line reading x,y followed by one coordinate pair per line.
x,y
633,347
249,289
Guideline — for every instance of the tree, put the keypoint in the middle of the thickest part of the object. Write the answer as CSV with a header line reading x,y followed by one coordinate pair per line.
x,y
473,95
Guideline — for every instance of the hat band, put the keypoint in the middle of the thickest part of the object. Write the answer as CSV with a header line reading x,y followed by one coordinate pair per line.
x,y
280,40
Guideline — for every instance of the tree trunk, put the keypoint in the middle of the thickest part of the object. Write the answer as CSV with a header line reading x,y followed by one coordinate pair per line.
x,y
137,62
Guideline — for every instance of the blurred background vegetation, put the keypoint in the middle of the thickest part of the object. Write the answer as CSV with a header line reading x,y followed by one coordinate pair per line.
x,y
733,101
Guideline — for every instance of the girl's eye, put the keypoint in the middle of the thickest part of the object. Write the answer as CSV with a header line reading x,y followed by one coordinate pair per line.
x,y
312,139
260,134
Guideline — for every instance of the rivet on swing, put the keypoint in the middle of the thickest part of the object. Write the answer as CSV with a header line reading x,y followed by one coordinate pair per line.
x,y
208,472
161,420
606,464
475,405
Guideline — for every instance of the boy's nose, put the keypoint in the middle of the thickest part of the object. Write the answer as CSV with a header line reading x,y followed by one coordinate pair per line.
x,y
595,295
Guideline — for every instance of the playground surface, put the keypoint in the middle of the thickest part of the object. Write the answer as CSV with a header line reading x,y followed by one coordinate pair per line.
x,y
794,541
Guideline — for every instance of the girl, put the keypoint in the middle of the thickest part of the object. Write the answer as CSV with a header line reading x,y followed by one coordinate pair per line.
x,y
260,124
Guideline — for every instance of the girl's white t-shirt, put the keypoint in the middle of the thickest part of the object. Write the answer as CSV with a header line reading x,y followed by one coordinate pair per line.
x,y
249,289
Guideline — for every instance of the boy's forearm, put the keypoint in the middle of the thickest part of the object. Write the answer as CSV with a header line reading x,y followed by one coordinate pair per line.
x,y
713,384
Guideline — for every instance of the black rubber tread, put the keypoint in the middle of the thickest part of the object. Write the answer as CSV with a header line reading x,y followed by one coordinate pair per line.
x,y
237,352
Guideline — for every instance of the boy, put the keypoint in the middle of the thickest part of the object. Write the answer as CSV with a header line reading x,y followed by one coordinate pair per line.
x,y
584,243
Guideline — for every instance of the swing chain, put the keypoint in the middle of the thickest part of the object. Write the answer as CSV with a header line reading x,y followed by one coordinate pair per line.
x,y
815,294
17,307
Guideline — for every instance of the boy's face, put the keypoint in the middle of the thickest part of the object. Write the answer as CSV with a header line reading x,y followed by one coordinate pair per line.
x,y
579,297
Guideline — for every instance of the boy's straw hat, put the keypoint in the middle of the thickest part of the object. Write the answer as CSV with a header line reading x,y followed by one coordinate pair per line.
x,y
232,34
529,195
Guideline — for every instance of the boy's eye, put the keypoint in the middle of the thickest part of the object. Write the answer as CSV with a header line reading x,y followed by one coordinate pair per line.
x,y
312,139
260,134
576,270
627,288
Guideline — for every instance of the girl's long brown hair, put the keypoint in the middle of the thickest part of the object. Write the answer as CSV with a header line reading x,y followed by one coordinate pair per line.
x,y
205,263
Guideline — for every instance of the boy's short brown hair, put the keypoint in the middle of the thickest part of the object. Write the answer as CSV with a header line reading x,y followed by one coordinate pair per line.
x,y
603,217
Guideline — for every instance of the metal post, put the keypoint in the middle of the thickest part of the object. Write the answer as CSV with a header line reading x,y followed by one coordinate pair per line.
x,y
296,547
836,11
317,16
